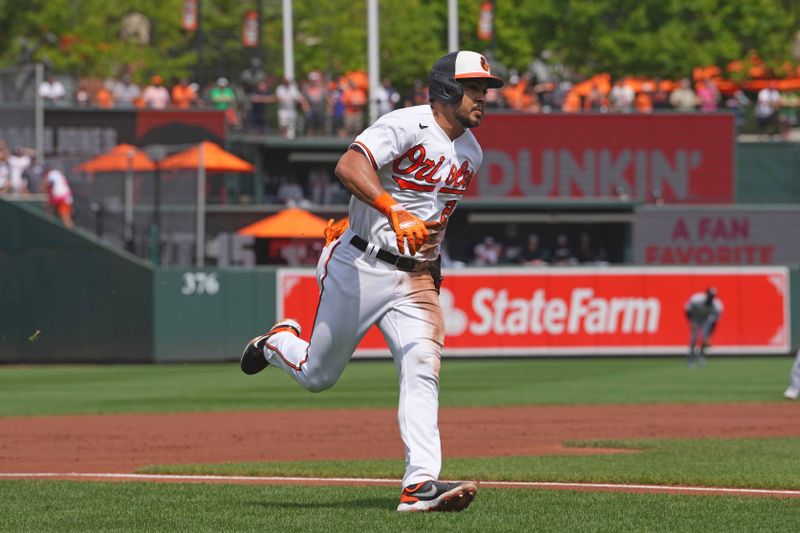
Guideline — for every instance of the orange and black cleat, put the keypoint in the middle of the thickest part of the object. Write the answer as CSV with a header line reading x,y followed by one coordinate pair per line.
x,y
436,496
253,360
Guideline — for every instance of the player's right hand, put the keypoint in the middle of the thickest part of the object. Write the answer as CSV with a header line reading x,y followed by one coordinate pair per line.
x,y
408,228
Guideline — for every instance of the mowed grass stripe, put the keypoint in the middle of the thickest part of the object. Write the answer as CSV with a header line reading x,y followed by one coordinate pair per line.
x,y
96,506
40,390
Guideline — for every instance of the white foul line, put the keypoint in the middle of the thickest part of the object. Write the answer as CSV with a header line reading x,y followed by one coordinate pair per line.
x,y
383,481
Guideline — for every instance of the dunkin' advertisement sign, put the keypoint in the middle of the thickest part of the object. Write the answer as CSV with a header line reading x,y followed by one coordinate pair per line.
x,y
685,158
586,311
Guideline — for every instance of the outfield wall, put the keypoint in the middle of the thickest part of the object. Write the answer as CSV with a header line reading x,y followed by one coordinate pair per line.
x,y
67,297
210,314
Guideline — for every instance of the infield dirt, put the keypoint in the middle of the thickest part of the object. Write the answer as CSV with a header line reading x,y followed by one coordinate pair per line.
x,y
122,443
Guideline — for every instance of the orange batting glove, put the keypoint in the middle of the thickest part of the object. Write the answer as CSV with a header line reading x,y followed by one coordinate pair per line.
x,y
408,228
334,230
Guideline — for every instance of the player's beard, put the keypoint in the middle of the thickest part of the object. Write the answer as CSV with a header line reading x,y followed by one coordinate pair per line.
x,y
466,120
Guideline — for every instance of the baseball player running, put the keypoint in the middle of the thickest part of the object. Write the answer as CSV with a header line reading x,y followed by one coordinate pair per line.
x,y
406,174
703,310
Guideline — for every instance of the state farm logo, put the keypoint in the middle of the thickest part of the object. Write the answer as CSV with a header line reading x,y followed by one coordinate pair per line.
x,y
582,313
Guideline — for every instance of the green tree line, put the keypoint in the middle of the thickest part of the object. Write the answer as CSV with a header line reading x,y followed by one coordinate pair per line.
x,y
663,38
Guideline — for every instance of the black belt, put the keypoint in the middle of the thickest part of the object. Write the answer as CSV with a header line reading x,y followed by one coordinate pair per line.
x,y
401,262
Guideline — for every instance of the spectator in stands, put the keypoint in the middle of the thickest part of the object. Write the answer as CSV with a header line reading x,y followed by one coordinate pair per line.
x,y
514,90
572,103
534,254
644,100
104,97
59,195
788,117
82,97
336,90
318,99
418,94
262,96
355,101
155,95
588,253
321,185
252,75
289,97
5,171
487,252
708,96
126,93
530,100
562,254
183,94
386,97
621,98
768,106
661,95
222,96
52,91
684,98
291,193
595,101
34,173
18,163
738,104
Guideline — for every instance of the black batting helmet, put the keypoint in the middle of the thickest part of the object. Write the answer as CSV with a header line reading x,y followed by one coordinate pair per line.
x,y
442,81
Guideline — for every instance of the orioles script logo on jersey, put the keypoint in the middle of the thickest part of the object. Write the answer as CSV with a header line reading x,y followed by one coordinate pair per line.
x,y
416,172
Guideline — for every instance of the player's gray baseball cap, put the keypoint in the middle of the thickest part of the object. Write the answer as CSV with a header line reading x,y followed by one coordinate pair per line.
x,y
462,65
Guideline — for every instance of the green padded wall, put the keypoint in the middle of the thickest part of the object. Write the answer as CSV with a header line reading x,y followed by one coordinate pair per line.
x,y
88,301
210,314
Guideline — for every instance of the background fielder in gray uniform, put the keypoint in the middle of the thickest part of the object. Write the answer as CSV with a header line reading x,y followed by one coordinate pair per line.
x,y
793,391
703,310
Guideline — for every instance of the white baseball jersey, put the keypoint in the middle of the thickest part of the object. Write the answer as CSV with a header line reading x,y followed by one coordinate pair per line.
x,y
699,310
420,167
59,188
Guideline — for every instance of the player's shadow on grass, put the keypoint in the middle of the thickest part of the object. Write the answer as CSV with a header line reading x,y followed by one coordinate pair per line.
x,y
363,503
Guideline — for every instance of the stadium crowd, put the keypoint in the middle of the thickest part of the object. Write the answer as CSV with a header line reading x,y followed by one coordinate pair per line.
x,y
322,104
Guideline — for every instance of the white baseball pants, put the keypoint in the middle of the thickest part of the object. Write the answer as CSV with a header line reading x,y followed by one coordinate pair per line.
x,y
358,290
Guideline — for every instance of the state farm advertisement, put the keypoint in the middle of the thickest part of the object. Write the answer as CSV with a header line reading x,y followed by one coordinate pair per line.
x,y
686,158
586,311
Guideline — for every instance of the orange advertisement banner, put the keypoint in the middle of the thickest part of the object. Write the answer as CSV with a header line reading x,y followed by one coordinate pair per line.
x,y
586,311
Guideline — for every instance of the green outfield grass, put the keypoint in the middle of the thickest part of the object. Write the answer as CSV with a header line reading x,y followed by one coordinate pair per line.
x,y
132,506
751,463
36,390
73,506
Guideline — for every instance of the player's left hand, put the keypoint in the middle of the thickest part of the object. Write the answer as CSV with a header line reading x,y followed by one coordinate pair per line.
x,y
334,230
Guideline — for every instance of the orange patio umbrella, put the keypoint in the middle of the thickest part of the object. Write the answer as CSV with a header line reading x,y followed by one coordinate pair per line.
x,y
122,158
204,157
208,156
293,223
